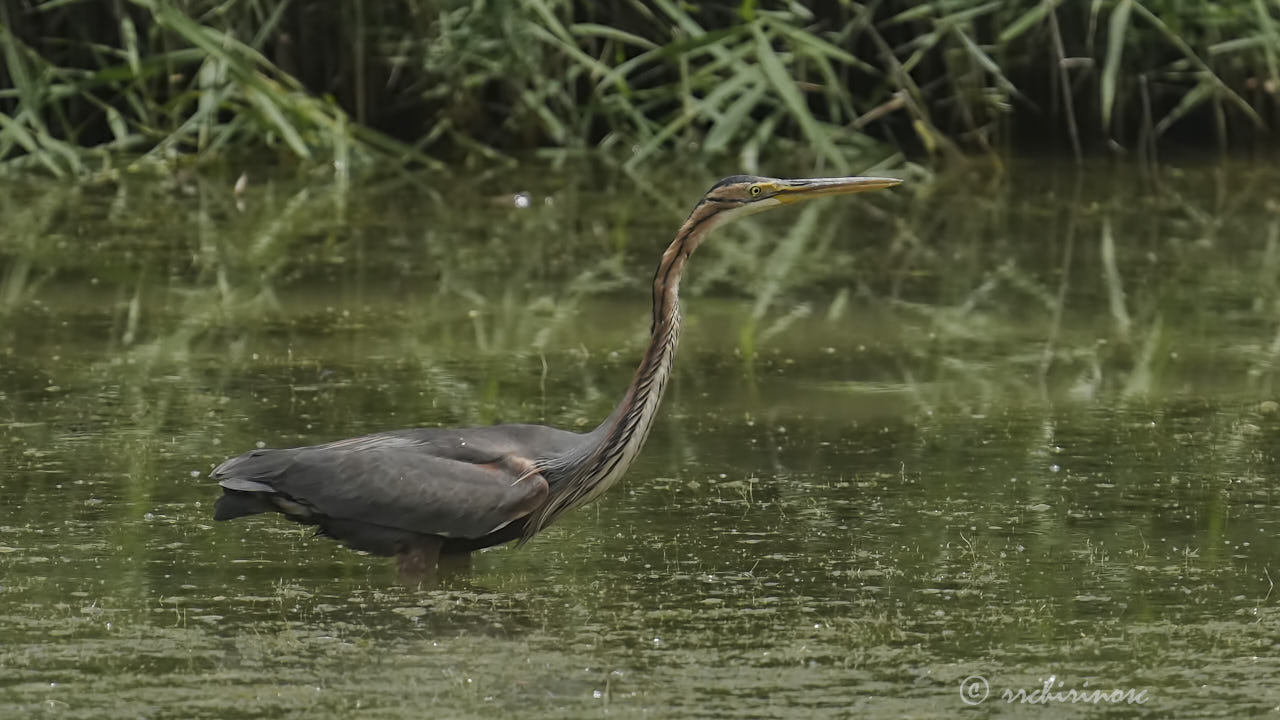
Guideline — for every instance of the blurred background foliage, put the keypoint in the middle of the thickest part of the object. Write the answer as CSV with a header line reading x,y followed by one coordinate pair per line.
x,y
87,85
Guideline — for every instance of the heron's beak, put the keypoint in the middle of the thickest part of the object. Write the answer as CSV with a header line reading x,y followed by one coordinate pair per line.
x,y
790,191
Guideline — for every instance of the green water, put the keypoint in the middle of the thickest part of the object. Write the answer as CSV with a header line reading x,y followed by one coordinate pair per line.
x,y
1017,426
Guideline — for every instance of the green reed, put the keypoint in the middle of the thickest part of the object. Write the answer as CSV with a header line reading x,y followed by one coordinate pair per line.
x,y
92,87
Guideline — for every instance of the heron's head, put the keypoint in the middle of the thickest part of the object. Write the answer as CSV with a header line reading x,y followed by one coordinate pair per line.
x,y
741,195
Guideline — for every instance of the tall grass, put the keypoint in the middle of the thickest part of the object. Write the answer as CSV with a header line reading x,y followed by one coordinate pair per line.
x,y
161,83
838,84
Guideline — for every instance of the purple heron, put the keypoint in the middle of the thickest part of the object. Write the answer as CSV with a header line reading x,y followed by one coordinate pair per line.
x,y
425,493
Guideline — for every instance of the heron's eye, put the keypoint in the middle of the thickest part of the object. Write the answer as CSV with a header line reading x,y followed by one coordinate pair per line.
x,y
755,190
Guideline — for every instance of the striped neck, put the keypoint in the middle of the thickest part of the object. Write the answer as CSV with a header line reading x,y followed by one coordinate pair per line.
x,y
623,433
608,451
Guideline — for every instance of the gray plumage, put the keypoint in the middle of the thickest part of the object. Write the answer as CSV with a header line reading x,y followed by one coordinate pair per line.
x,y
417,493
384,492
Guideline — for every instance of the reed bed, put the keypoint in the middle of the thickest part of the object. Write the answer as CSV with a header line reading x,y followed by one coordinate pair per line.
x,y
92,87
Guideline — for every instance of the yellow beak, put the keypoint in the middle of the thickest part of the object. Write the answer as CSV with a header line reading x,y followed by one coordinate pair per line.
x,y
789,191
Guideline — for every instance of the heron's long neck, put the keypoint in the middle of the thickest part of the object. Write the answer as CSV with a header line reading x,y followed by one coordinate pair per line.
x,y
609,450
617,440
623,433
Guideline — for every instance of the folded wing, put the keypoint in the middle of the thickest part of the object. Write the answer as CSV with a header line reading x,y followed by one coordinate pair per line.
x,y
451,483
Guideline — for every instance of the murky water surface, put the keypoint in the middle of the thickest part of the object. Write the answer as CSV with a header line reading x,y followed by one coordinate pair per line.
x,y
1022,428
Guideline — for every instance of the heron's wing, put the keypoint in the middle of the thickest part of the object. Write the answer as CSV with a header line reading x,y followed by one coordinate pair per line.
x,y
448,483
479,444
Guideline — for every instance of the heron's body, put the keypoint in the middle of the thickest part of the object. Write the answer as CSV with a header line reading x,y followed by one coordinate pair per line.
x,y
419,493
391,492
